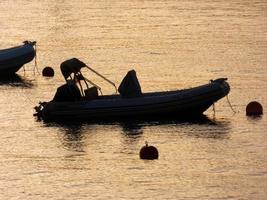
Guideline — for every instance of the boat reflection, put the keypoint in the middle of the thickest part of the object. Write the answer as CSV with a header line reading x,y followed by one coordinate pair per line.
x,y
15,80
72,137
133,129
201,126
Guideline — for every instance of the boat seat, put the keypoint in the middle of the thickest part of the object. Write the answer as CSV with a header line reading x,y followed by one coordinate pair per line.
x,y
91,93
130,87
67,92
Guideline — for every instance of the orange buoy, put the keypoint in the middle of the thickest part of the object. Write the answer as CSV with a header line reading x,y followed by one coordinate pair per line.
x,y
48,72
149,152
254,108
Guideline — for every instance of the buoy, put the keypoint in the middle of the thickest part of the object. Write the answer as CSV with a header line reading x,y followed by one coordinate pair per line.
x,y
149,152
254,108
48,71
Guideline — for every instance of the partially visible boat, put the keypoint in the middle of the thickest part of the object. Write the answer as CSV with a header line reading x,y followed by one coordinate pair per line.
x,y
70,103
12,59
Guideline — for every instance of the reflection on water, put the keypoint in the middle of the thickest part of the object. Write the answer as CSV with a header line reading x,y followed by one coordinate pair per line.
x,y
131,129
72,135
254,118
213,130
15,80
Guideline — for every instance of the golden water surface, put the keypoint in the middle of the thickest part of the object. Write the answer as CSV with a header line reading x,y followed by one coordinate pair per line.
x,y
171,44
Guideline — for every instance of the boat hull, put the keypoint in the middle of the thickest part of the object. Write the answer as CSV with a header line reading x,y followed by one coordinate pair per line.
x,y
179,104
12,59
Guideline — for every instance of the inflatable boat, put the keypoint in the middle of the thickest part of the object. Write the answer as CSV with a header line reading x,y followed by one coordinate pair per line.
x,y
12,59
73,103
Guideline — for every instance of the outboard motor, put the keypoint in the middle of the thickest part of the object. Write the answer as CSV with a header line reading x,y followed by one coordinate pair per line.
x,y
67,92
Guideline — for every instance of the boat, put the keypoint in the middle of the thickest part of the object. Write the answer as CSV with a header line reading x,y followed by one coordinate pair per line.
x,y
12,59
71,102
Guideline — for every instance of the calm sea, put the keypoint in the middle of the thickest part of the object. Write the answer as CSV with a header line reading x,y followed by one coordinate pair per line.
x,y
171,44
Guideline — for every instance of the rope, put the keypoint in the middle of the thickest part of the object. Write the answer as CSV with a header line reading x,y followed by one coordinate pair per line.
x,y
34,44
24,71
23,93
230,104
35,59
28,98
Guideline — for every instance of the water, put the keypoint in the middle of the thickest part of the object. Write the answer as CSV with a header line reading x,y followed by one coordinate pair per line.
x,y
171,44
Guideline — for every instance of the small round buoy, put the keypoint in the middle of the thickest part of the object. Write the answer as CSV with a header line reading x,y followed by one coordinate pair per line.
x,y
48,71
254,108
149,152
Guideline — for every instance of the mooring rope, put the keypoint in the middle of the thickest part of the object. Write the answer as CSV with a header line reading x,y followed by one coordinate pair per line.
x,y
34,44
22,92
230,104
35,59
